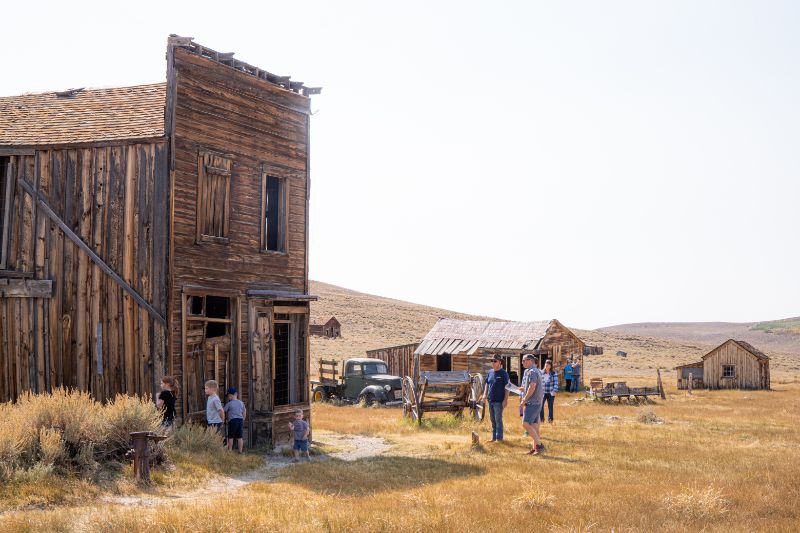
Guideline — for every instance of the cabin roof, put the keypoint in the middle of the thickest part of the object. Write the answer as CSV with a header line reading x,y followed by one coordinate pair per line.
x,y
83,115
758,354
450,336
332,321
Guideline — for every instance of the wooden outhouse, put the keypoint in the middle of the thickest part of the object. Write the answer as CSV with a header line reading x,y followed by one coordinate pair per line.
x,y
470,344
160,229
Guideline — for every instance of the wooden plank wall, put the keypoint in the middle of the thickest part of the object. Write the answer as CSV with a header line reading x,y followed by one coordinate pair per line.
x,y
749,371
399,359
90,335
562,344
260,127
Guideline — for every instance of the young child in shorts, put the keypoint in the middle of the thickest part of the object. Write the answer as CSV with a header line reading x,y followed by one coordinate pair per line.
x,y
301,430
235,412
215,414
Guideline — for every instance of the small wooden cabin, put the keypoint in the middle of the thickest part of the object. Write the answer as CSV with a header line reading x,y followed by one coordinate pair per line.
x,y
399,359
736,365
470,344
331,329
731,365
160,229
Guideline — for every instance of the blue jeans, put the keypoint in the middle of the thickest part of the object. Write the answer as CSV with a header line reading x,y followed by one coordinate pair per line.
x,y
549,400
576,383
496,416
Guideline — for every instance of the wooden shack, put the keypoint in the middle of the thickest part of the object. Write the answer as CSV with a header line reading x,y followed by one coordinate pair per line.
x,y
470,344
159,229
331,329
736,365
731,365
399,359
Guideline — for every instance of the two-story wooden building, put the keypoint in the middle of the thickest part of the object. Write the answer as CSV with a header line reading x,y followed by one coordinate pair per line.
x,y
160,229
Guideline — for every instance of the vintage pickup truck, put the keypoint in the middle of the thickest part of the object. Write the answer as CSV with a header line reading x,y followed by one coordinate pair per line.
x,y
366,380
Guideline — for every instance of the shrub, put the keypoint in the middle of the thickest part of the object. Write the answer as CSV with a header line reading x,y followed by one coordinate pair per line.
x,y
649,417
194,438
67,431
696,503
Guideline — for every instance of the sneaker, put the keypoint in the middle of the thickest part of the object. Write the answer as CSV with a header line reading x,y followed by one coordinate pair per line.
x,y
532,451
540,448
493,440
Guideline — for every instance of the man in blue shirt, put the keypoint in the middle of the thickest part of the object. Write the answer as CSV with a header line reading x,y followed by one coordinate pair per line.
x,y
495,390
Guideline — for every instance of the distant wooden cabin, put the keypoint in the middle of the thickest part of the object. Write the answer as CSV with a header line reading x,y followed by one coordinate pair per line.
x,y
399,359
731,365
469,345
160,229
331,329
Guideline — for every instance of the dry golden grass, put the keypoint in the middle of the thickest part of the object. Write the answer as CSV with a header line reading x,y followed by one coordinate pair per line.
x,y
720,461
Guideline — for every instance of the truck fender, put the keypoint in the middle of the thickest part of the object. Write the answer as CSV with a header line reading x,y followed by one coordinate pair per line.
x,y
377,391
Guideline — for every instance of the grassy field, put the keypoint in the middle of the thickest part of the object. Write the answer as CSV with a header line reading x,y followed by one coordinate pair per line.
x,y
713,461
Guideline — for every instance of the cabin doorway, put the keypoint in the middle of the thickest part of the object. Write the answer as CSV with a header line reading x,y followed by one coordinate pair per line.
x,y
282,366
444,362
208,349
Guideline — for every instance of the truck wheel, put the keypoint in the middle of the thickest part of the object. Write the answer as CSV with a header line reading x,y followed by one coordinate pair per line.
x,y
319,394
368,398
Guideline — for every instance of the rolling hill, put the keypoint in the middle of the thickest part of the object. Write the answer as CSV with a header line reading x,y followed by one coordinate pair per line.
x,y
370,322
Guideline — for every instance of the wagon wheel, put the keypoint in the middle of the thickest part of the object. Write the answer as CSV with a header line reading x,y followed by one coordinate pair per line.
x,y
477,405
410,404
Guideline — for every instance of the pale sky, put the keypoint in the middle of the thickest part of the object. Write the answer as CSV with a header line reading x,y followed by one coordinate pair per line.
x,y
595,162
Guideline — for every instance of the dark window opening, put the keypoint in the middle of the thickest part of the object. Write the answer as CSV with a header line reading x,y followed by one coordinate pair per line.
x,y
272,214
217,307
5,207
281,364
444,362
728,371
196,305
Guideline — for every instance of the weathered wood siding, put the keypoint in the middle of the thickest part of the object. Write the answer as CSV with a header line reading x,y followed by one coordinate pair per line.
x,y
260,128
399,359
750,372
89,334
562,344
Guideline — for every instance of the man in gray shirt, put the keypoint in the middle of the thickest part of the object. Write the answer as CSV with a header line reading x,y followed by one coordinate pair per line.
x,y
531,401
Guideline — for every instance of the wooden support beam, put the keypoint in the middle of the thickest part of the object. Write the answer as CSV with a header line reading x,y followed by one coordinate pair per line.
x,y
25,288
42,203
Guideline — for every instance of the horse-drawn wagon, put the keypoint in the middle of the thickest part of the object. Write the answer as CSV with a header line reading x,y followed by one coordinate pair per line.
x,y
450,392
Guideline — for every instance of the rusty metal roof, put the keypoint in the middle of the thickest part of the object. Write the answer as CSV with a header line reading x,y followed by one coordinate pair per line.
x,y
83,115
450,336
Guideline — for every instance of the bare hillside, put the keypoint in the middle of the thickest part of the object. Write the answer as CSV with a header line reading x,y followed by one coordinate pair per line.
x,y
370,322
772,336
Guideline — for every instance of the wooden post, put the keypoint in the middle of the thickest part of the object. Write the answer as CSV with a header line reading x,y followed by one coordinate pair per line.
x,y
661,385
216,362
691,378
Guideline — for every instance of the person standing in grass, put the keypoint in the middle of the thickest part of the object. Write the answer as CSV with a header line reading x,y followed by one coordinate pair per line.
x,y
531,402
235,412
568,375
166,400
550,388
495,391
215,414
300,430
576,376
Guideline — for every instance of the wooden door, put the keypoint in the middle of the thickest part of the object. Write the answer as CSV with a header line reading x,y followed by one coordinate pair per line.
x,y
262,362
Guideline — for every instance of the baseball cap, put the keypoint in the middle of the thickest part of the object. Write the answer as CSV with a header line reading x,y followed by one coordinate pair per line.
x,y
232,390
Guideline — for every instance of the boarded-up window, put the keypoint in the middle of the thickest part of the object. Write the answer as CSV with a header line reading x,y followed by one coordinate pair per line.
x,y
274,213
5,207
213,197
728,371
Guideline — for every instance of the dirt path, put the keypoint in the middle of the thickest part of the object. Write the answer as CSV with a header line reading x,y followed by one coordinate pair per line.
x,y
348,448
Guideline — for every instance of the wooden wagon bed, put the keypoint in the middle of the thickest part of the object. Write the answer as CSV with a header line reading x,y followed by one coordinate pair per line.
x,y
450,392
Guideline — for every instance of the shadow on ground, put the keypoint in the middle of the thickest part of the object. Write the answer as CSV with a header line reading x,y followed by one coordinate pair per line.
x,y
375,474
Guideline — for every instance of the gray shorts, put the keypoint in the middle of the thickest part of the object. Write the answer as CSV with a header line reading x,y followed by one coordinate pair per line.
x,y
532,412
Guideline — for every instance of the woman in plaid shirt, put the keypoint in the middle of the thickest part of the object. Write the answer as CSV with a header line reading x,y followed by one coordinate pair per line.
x,y
550,387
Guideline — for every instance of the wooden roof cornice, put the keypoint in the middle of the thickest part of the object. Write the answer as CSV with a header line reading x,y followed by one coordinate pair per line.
x,y
227,59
